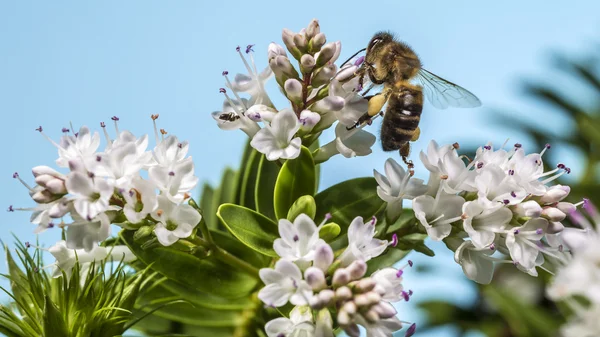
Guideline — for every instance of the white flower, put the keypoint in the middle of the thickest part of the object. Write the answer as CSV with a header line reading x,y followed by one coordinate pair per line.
x,y
175,221
585,324
349,143
382,328
445,166
298,241
526,171
389,280
494,186
475,262
86,233
140,200
67,258
124,159
254,82
176,181
361,242
237,115
300,324
483,223
170,151
81,146
397,185
90,194
282,284
355,105
521,242
277,139
438,214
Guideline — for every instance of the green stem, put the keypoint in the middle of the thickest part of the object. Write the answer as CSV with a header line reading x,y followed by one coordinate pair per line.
x,y
234,261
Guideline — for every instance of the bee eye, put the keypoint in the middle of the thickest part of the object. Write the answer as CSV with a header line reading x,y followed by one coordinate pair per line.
x,y
374,42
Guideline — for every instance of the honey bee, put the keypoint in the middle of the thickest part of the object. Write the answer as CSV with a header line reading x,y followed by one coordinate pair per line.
x,y
397,67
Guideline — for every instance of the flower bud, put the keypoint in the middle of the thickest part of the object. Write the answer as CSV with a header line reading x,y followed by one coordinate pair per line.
x,y
365,285
371,316
293,90
43,179
346,73
44,197
323,257
326,53
307,63
555,193
315,278
341,277
300,41
329,104
323,75
282,68
326,296
45,170
343,318
566,207
362,300
338,50
313,29
308,119
529,209
317,42
275,50
385,310
350,308
142,233
343,294
373,297
56,186
357,269
555,227
288,39
553,214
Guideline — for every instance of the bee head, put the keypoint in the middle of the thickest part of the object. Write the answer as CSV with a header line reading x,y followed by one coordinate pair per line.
x,y
378,41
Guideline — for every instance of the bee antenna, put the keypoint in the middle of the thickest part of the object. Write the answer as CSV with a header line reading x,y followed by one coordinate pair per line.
x,y
350,58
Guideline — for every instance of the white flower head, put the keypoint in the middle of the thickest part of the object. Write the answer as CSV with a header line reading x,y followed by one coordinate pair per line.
x,y
170,151
300,324
389,282
348,143
175,181
438,214
283,284
67,258
298,240
397,185
475,262
521,242
174,221
81,147
140,199
483,223
239,114
123,159
85,233
447,168
277,140
361,242
90,194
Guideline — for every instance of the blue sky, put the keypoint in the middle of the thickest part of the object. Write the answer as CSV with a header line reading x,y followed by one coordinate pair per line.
x,y
82,62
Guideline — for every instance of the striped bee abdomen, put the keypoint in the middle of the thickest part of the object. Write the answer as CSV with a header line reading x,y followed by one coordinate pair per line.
x,y
402,117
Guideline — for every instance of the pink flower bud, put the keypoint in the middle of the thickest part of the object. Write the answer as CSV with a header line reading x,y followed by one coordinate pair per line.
x,y
315,278
43,170
385,310
323,257
357,269
343,294
318,41
293,90
529,209
313,29
555,227
341,277
553,214
307,63
555,193
566,207
326,54
275,50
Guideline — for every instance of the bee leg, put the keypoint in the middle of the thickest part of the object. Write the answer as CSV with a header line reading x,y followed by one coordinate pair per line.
x,y
367,91
372,76
404,153
364,118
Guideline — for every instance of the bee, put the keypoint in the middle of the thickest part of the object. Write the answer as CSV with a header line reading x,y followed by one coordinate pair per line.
x,y
397,67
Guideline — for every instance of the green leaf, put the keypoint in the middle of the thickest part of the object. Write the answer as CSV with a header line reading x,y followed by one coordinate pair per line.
x,y
347,200
206,275
208,204
305,204
265,185
248,149
248,183
296,178
19,284
330,231
54,324
251,228
228,186
387,259
184,312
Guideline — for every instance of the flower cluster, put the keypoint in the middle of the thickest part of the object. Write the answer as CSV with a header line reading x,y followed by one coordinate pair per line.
x,y
100,188
310,277
579,274
318,92
500,200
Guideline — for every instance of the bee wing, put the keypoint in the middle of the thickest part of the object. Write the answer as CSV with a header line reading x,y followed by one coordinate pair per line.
x,y
442,93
